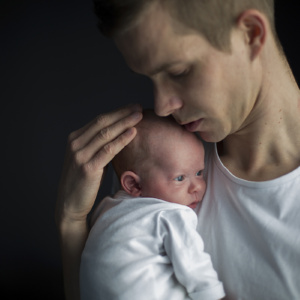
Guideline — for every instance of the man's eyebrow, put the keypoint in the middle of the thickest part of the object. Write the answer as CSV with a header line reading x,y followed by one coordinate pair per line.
x,y
164,67
158,69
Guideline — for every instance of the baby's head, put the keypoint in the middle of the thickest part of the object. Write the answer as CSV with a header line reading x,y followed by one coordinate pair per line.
x,y
163,161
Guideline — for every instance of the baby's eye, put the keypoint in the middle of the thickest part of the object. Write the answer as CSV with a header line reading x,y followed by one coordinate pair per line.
x,y
179,178
199,173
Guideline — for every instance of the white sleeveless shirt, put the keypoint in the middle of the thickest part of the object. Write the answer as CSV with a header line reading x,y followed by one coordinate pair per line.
x,y
252,231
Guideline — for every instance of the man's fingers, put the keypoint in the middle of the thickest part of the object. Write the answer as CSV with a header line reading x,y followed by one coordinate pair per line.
x,y
107,153
104,136
85,134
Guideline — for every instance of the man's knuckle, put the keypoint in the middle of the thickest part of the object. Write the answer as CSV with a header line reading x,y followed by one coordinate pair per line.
x,y
73,145
108,149
91,169
86,169
104,134
78,158
101,119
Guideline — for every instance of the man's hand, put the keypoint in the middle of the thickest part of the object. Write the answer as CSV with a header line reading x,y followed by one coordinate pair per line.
x,y
89,150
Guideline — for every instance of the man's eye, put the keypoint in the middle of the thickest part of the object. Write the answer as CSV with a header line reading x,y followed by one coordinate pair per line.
x,y
199,173
179,178
178,75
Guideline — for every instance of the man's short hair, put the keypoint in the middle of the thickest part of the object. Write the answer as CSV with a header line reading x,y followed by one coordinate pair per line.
x,y
214,19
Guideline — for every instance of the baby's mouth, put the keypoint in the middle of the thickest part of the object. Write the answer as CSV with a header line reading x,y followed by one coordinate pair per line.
x,y
193,204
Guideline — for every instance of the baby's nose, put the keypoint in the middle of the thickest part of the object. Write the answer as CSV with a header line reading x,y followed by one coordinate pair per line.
x,y
197,185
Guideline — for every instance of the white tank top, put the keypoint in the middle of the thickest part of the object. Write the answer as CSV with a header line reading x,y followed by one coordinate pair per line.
x,y
252,231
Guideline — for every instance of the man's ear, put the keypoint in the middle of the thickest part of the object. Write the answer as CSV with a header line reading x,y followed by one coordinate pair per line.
x,y
131,183
254,25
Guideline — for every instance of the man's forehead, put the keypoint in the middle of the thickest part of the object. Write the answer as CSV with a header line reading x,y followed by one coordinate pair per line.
x,y
146,45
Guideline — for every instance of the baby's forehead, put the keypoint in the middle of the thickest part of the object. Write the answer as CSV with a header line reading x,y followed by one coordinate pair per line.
x,y
153,123
154,131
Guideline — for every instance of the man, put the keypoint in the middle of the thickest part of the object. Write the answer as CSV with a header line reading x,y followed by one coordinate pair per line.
x,y
219,69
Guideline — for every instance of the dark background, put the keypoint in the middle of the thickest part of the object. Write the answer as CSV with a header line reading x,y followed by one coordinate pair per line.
x,y
58,73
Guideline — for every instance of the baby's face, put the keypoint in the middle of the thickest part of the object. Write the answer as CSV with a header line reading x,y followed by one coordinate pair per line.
x,y
176,174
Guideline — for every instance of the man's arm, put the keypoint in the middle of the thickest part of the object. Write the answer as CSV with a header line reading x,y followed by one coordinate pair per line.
x,y
72,239
89,151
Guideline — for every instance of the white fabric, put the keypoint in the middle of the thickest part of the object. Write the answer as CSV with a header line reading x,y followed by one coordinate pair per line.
x,y
146,248
252,232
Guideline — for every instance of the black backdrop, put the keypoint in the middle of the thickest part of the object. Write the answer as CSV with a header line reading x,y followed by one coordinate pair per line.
x,y
57,73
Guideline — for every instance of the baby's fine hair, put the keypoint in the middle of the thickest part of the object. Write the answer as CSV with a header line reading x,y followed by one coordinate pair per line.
x,y
141,148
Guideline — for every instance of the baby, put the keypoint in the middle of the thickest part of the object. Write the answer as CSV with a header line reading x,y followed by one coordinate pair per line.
x,y
144,243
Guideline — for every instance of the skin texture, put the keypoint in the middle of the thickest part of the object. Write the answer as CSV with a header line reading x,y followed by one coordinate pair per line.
x,y
234,97
181,64
248,99
172,168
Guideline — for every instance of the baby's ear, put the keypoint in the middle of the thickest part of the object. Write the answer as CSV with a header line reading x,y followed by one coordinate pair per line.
x,y
131,183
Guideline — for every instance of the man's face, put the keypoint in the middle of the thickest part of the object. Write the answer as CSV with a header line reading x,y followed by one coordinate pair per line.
x,y
175,172
207,90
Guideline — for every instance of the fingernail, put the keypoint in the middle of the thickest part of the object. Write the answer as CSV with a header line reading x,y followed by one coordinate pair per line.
x,y
137,115
136,107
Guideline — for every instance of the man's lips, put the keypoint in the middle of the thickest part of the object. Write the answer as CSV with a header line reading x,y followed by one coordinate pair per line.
x,y
192,126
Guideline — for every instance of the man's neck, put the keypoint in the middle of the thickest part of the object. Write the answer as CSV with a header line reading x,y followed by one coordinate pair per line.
x,y
268,145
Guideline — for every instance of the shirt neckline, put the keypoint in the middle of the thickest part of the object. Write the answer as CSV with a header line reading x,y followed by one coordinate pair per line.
x,y
257,184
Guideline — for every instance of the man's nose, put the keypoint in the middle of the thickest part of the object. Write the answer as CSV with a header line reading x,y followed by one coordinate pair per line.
x,y
166,102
